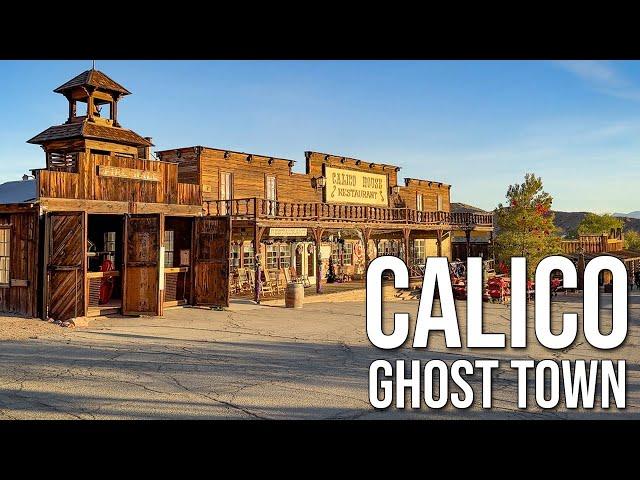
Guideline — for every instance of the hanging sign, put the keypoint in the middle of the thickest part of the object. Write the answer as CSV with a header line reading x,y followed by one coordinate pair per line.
x,y
131,173
287,232
352,186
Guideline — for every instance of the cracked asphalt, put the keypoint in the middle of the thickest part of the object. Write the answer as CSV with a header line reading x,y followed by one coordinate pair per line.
x,y
260,362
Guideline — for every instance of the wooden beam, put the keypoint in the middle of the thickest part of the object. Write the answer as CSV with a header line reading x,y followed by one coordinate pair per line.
x,y
317,238
106,207
366,237
406,235
258,233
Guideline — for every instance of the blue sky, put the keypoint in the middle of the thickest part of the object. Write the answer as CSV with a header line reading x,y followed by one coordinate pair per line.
x,y
477,125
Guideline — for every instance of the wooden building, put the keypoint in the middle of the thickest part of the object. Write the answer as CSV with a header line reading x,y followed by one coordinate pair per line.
x,y
341,210
109,229
91,239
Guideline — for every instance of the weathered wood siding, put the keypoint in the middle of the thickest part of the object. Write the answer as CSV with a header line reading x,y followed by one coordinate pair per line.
x,y
248,173
429,190
188,163
88,184
22,296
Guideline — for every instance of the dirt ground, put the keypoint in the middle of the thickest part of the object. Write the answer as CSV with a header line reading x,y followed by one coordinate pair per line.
x,y
258,362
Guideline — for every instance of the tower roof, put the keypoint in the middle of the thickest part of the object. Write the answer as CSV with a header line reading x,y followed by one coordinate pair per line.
x,y
93,78
92,131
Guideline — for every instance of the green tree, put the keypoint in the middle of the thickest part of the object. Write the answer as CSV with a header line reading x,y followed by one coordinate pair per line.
x,y
632,240
594,224
525,224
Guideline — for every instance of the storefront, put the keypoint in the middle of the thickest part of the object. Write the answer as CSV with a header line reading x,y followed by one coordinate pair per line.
x,y
323,225
109,229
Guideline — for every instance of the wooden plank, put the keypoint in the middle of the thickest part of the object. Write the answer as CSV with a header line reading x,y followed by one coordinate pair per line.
x,y
211,261
66,265
119,207
140,285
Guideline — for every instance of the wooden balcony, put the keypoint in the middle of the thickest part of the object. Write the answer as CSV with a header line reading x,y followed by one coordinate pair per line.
x,y
258,209
150,182
592,244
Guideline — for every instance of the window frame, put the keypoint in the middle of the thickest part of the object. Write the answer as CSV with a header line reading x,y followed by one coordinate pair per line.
x,y
169,253
7,229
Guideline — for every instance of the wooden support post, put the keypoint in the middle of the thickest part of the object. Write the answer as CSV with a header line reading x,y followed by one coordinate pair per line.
x,y
439,242
317,238
257,286
406,236
467,234
491,253
366,236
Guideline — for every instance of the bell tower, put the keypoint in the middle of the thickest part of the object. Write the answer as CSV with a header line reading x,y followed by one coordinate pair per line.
x,y
95,91
92,124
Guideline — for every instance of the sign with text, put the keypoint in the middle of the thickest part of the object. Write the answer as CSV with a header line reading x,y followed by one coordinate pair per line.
x,y
287,232
130,173
352,186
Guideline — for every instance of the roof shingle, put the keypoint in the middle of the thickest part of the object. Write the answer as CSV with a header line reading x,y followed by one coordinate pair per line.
x,y
93,78
90,130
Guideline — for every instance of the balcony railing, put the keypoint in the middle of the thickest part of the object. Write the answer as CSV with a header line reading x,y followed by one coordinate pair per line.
x,y
261,209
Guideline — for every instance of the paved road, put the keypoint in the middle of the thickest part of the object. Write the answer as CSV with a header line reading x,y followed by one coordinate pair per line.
x,y
253,363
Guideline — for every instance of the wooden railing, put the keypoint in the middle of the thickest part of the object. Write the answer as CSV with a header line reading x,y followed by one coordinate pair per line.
x,y
593,244
258,208
87,184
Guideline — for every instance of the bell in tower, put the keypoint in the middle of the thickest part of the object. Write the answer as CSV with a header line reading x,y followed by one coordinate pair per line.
x,y
92,124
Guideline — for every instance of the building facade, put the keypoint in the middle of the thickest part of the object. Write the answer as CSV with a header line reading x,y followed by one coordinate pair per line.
x,y
106,228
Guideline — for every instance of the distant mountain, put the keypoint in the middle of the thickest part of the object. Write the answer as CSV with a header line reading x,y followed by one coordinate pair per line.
x,y
569,221
635,214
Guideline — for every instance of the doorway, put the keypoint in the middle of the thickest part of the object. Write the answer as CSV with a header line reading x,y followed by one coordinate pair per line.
x,y
177,260
104,251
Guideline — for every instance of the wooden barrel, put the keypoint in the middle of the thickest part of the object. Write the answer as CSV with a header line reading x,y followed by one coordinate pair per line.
x,y
294,296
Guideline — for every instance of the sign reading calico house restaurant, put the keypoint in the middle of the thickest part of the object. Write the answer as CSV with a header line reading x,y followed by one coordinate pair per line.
x,y
352,186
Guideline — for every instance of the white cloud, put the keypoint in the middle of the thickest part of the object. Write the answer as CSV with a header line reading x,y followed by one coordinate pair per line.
x,y
603,76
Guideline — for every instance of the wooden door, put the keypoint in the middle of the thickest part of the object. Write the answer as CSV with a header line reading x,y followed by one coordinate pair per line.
x,y
212,239
226,190
66,264
141,266
300,250
271,194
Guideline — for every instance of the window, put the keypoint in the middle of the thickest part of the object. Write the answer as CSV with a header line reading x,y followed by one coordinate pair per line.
x,y
235,255
335,253
168,248
439,203
346,249
272,257
248,255
389,247
278,256
419,203
5,247
418,250
62,162
110,241
285,255
347,253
